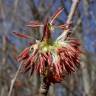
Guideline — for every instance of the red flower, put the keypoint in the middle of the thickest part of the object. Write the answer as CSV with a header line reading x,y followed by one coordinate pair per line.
x,y
53,59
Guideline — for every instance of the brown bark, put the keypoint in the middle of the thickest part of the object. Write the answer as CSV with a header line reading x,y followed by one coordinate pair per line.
x,y
45,84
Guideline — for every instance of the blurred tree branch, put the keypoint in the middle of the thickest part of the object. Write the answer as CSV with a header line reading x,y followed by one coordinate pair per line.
x,y
14,79
35,11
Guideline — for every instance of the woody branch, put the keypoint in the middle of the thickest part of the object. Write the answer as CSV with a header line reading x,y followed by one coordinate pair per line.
x,y
70,16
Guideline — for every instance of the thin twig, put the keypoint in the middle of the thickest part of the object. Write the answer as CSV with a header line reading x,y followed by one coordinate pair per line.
x,y
2,91
13,80
15,6
70,16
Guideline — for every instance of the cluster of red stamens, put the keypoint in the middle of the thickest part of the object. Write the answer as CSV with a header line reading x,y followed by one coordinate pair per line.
x,y
50,58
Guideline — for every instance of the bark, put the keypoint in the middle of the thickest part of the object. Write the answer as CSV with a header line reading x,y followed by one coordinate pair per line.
x,y
45,84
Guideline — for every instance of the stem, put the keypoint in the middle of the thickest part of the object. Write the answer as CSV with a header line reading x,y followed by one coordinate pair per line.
x,y
70,16
13,80
45,84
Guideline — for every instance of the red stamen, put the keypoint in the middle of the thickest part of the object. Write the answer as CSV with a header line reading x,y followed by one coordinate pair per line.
x,y
21,35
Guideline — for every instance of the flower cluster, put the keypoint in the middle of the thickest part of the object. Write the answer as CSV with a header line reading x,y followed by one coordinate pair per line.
x,y
53,59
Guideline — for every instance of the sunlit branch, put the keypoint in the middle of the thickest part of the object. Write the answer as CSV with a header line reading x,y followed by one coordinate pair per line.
x,y
70,16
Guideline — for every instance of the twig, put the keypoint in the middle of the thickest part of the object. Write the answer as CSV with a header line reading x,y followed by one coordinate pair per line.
x,y
34,10
14,79
15,6
45,84
2,91
70,16
77,24
63,5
